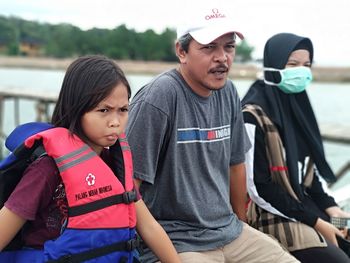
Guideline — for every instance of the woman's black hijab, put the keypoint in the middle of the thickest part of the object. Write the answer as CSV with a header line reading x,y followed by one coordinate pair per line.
x,y
291,113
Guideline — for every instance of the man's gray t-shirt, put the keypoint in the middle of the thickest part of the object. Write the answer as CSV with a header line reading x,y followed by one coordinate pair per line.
x,y
183,145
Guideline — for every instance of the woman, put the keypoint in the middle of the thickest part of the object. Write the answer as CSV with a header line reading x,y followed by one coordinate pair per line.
x,y
288,157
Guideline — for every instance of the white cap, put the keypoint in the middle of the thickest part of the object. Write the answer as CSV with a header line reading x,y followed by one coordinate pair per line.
x,y
206,25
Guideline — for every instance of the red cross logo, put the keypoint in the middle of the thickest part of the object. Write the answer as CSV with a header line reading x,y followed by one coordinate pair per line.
x,y
90,179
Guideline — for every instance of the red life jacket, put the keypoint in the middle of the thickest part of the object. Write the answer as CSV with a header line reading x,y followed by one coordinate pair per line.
x,y
88,179
101,215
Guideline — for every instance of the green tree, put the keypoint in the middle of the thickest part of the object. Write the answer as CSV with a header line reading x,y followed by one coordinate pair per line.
x,y
244,51
63,41
8,36
121,43
66,40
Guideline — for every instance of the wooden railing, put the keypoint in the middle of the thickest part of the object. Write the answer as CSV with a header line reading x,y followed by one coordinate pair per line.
x,y
42,102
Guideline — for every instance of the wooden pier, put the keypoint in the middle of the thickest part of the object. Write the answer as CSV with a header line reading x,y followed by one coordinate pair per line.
x,y
339,133
42,102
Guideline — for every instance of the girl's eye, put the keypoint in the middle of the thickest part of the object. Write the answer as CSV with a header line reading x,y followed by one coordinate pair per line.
x,y
103,110
124,109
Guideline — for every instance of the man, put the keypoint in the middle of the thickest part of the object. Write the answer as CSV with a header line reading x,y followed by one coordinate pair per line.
x,y
188,141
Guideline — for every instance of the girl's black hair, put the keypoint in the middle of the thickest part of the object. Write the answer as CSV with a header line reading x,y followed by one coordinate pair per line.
x,y
88,80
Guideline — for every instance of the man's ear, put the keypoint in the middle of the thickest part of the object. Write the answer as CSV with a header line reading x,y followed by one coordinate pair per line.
x,y
180,53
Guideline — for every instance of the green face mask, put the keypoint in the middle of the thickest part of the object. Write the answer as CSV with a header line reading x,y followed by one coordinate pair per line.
x,y
293,80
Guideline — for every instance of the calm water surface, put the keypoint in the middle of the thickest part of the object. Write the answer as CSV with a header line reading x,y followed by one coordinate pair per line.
x,y
330,102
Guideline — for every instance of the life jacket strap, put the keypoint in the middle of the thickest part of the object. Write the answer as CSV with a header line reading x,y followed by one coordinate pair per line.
x,y
125,198
129,246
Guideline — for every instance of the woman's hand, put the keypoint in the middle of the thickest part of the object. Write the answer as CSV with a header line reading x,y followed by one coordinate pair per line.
x,y
345,232
328,231
335,211
337,214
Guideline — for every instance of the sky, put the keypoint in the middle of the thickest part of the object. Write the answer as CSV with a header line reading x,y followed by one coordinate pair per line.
x,y
325,22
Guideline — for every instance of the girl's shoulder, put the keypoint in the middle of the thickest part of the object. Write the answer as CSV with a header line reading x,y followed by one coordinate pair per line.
x,y
43,169
35,189
43,163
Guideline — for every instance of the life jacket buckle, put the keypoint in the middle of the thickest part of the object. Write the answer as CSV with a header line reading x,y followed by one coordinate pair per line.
x,y
132,244
129,197
66,259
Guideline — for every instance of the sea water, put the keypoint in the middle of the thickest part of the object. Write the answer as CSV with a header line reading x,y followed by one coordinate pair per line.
x,y
329,100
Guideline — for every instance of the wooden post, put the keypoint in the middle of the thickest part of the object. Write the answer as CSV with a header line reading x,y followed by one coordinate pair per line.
x,y
2,133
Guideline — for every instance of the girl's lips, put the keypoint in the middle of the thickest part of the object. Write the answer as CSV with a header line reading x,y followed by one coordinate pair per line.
x,y
112,137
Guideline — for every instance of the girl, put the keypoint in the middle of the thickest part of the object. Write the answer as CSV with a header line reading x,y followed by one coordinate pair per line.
x,y
85,180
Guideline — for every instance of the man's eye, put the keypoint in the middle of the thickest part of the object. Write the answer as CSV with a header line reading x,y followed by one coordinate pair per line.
x,y
208,46
103,110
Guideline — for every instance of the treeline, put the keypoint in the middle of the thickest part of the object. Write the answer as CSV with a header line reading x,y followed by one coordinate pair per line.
x,y
22,37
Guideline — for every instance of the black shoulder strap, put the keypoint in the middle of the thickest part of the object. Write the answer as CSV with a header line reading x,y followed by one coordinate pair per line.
x,y
12,174
10,177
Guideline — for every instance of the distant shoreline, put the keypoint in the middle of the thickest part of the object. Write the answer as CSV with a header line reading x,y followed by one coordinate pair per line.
x,y
239,71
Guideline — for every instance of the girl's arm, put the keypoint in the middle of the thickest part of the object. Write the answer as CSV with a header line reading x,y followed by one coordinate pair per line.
x,y
10,224
154,235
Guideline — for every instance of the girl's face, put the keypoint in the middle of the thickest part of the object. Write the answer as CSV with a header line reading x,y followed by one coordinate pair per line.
x,y
104,123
